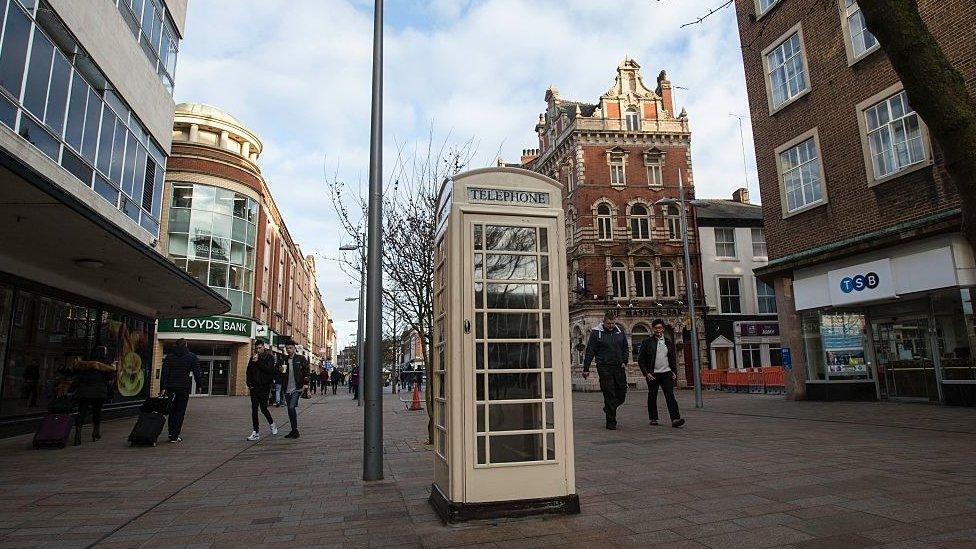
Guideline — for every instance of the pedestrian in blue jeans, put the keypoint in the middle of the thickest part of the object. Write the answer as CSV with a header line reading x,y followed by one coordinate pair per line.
x,y
294,380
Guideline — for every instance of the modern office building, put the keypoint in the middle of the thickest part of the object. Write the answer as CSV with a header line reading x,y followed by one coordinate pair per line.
x,y
616,158
740,327
222,226
85,127
872,276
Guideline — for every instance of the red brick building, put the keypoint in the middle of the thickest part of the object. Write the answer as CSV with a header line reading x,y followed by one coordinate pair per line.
x,y
615,158
871,274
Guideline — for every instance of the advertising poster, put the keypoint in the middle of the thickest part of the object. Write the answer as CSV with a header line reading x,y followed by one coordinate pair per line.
x,y
843,342
129,343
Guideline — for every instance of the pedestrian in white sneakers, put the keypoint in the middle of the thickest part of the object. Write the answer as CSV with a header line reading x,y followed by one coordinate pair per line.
x,y
260,377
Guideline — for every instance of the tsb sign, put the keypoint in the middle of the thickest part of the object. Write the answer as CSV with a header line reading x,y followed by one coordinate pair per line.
x,y
859,283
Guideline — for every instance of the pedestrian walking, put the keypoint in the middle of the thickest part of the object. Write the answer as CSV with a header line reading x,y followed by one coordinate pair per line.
x,y
259,377
313,382
294,378
335,378
658,362
175,381
354,382
608,346
92,380
324,381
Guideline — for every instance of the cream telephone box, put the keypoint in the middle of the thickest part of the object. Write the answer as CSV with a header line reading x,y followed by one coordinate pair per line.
x,y
501,377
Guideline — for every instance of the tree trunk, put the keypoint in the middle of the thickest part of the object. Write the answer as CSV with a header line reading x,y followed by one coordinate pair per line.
x,y
935,89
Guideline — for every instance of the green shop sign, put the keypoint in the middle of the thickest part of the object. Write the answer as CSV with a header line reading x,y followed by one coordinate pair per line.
x,y
223,325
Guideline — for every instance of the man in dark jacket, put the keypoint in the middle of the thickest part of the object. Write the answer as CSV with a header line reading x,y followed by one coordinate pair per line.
x,y
335,378
175,381
608,345
659,364
294,378
259,378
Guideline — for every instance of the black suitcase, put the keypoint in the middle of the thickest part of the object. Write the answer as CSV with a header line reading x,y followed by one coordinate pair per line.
x,y
158,405
147,430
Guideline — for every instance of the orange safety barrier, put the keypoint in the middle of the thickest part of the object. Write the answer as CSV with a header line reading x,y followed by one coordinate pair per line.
x,y
713,379
754,380
773,378
738,381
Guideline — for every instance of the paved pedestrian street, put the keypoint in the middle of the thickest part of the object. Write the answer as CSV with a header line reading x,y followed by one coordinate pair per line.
x,y
747,471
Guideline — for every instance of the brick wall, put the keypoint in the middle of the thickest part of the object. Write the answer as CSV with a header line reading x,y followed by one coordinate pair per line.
x,y
853,208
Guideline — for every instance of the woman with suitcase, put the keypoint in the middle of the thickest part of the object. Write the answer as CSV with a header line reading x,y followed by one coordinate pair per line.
x,y
93,379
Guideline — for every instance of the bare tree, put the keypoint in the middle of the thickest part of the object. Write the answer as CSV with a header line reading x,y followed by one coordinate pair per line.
x,y
935,87
409,222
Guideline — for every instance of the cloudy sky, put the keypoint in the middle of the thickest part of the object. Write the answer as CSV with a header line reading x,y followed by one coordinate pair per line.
x,y
297,72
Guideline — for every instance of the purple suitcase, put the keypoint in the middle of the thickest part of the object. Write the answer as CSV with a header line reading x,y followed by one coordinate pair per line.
x,y
54,431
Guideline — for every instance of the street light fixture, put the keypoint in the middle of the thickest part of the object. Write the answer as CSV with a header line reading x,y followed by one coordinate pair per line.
x,y
689,283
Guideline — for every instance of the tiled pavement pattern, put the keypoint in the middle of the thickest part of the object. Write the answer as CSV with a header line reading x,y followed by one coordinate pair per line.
x,y
748,471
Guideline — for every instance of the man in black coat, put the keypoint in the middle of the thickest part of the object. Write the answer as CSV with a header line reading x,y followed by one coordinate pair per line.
x,y
659,364
608,345
294,379
259,378
175,381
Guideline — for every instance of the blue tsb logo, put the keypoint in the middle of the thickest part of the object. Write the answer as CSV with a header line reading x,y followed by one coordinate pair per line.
x,y
859,282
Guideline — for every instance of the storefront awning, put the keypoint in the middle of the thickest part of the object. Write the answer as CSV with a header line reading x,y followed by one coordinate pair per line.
x,y
52,237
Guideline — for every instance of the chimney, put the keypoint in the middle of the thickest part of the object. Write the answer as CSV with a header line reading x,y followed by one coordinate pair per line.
x,y
528,155
741,195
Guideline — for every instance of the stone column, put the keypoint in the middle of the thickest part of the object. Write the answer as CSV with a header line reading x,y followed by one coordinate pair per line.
x,y
791,335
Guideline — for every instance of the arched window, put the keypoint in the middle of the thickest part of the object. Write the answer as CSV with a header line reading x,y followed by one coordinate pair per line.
x,y
618,280
669,287
640,222
673,222
604,222
632,119
643,280
637,336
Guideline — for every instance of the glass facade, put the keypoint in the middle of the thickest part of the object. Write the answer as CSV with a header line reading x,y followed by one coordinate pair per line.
x,y
41,333
155,33
55,98
211,234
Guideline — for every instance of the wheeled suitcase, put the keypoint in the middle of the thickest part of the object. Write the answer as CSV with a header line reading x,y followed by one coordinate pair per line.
x,y
53,431
147,430
157,404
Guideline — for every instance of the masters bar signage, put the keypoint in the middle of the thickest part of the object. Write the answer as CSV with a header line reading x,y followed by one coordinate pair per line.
x,y
223,325
509,196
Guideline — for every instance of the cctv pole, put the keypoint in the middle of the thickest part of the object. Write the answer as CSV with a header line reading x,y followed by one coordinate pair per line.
x,y
690,291
372,373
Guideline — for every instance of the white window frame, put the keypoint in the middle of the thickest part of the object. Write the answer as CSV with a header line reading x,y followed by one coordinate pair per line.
x,y
795,30
604,223
760,11
758,348
845,22
635,118
718,287
759,310
618,164
643,222
810,134
646,271
862,109
765,249
655,180
618,280
673,271
718,253
672,221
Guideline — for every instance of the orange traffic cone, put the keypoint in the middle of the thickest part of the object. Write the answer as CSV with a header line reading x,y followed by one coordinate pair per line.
x,y
415,405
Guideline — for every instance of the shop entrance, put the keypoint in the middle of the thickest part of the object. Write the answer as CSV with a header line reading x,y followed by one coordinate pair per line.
x,y
214,369
903,349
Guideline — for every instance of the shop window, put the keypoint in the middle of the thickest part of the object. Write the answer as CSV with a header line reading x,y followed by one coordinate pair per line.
x,y
751,355
775,356
813,345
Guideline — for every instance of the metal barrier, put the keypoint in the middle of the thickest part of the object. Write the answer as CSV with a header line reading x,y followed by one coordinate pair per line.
x,y
768,380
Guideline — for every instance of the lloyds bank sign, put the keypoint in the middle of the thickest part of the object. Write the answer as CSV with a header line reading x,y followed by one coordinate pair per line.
x,y
222,325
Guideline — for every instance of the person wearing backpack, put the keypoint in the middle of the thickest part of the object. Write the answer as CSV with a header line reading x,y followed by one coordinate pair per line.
x,y
260,377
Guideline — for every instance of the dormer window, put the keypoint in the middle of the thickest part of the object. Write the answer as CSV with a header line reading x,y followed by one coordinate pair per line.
x,y
632,118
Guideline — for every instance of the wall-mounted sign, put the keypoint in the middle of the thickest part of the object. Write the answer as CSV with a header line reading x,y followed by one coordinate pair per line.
x,y
758,329
509,196
223,325
863,282
786,358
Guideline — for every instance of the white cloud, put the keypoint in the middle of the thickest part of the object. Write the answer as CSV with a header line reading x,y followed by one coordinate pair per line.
x,y
298,73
